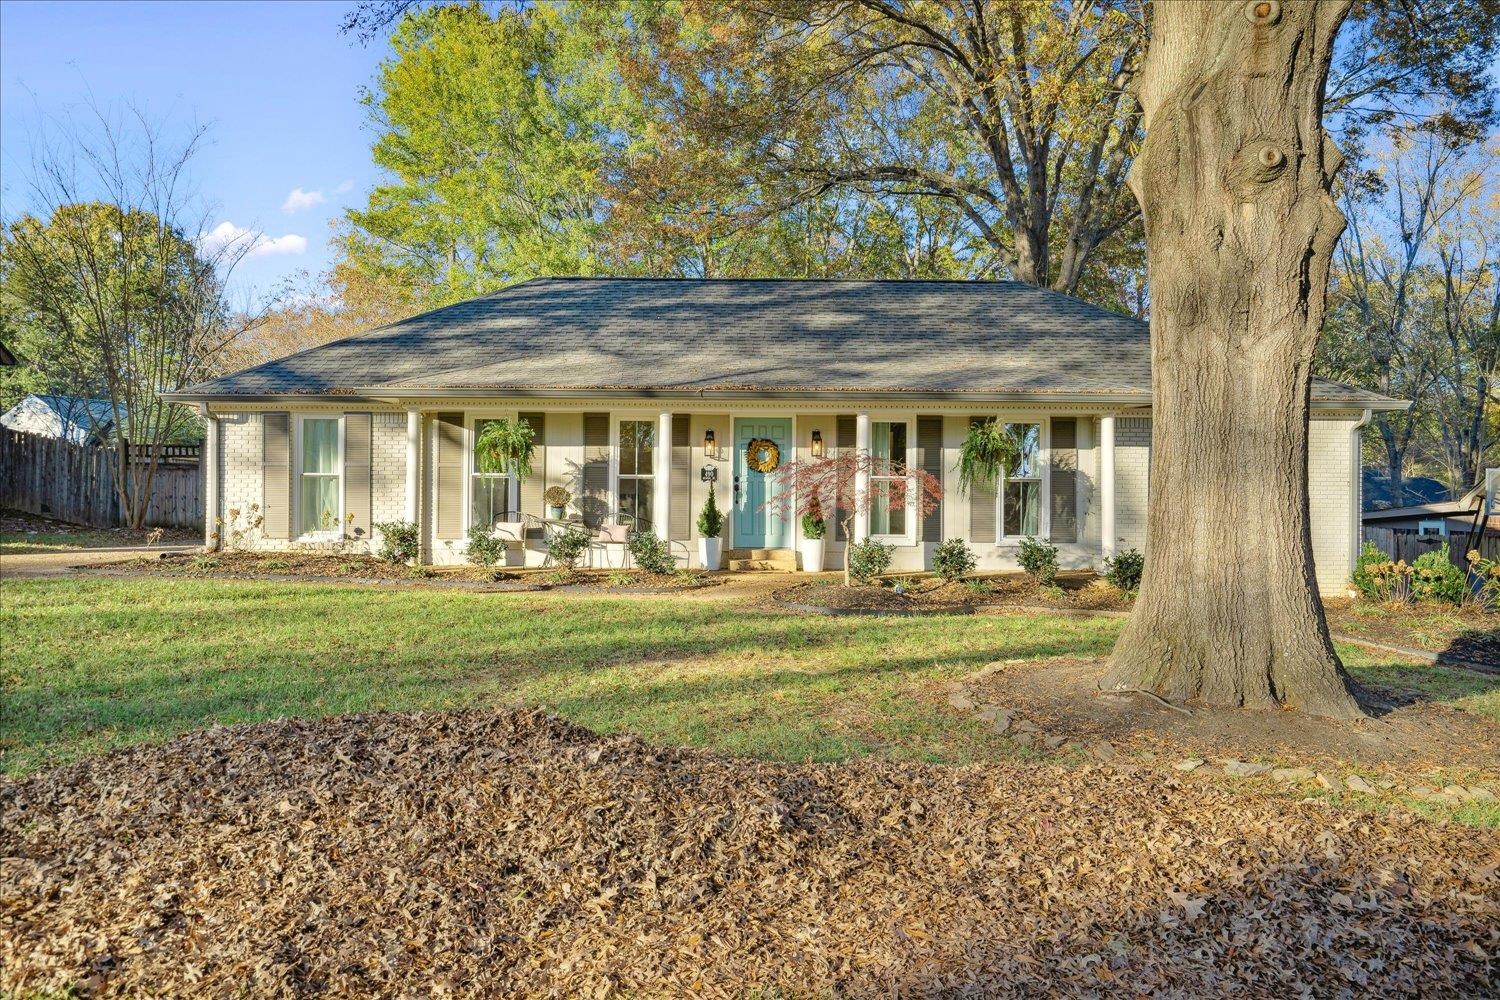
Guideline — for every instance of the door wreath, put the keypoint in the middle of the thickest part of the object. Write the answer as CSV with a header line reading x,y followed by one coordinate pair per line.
x,y
762,455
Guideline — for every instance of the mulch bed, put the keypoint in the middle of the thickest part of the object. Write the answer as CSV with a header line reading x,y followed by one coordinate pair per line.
x,y
1407,732
22,523
1468,634
933,596
511,854
318,568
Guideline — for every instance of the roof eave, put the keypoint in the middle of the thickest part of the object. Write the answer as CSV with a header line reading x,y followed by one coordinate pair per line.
x,y
390,395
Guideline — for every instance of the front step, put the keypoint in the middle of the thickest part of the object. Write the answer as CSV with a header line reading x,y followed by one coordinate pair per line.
x,y
776,560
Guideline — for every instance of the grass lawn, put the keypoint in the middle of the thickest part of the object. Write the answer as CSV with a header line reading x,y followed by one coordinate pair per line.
x,y
91,665
95,664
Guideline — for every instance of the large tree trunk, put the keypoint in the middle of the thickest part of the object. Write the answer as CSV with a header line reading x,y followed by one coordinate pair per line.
x,y
1233,181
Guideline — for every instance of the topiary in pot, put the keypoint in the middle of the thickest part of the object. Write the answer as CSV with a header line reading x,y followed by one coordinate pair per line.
x,y
710,526
814,535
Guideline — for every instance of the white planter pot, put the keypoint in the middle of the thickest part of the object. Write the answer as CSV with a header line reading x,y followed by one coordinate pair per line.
x,y
709,551
812,555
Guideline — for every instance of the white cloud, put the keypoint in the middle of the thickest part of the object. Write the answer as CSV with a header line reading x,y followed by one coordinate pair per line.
x,y
290,244
228,235
300,199
344,188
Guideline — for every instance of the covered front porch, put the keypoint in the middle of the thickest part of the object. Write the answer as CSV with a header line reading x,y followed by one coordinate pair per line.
x,y
624,469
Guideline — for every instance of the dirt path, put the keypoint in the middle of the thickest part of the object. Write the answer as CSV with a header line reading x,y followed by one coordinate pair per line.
x,y
32,564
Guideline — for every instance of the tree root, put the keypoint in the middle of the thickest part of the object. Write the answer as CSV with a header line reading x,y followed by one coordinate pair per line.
x,y
1149,694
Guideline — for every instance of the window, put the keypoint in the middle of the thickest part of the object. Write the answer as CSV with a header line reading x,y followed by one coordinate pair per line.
x,y
318,502
888,467
637,458
489,492
1021,500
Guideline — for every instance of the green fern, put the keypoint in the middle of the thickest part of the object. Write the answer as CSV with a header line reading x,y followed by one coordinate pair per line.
x,y
986,452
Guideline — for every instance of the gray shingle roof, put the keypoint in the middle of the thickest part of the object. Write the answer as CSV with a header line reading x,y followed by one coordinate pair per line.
x,y
684,335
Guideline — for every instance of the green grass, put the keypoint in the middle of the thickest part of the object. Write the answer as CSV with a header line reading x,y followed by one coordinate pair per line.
x,y
13,543
93,664
96,664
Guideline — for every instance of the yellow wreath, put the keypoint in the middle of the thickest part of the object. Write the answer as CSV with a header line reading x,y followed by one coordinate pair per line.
x,y
762,446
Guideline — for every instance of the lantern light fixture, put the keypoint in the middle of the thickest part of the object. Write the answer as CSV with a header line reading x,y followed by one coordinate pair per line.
x,y
708,441
817,444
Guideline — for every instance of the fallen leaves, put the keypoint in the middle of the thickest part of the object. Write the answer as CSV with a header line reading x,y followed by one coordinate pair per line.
x,y
509,853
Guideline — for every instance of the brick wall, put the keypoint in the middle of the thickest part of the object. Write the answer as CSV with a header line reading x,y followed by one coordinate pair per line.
x,y
240,485
1330,492
1132,471
1331,499
388,468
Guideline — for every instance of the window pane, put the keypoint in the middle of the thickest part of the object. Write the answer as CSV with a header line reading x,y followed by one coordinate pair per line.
x,y
1028,441
1022,507
635,500
320,445
319,504
637,444
886,518
491,500
888,447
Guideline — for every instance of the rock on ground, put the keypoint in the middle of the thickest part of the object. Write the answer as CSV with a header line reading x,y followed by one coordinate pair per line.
x,y
509,853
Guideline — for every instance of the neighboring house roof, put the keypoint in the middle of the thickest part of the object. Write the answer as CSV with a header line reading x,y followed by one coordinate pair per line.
x,y
7,359
76,418
1375,489
989,339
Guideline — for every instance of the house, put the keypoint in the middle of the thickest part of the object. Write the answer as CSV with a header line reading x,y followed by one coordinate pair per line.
x,y
1446,516
645,392
72,418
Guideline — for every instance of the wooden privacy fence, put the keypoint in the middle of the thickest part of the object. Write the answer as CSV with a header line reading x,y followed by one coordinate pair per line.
x,y
76,483
1407,544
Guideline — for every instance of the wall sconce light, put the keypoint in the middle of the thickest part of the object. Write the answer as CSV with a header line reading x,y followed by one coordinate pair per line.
x,y
817,444
709,447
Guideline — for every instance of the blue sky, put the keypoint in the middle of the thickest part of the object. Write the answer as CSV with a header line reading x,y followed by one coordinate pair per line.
x,y
276,82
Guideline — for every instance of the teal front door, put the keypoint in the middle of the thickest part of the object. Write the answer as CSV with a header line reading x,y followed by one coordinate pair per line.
x,y
756,525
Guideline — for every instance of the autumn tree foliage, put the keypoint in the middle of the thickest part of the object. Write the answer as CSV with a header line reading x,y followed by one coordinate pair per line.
x,y
829,487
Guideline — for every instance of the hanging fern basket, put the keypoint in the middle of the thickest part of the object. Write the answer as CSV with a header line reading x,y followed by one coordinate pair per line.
x,y
505,446
986,453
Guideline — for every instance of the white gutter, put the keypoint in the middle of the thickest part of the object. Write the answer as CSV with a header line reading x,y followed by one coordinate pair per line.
x,y
210,477
1356,470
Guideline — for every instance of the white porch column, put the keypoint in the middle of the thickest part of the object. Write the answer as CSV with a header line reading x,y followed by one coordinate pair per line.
x,y
413,463
862,478
1107,536
661,482
210,479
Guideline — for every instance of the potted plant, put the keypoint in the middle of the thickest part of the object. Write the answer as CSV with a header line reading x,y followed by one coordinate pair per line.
x,y
557,499
505,445
710,524
987,451
814,532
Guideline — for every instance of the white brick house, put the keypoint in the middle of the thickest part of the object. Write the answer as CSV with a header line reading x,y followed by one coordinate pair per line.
x,y
644,391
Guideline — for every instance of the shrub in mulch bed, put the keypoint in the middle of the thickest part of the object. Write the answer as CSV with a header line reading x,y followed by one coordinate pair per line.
x,y
362,568
508,854
1466,633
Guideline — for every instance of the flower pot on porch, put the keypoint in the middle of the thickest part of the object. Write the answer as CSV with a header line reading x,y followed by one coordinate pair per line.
x,y
812,555
709,551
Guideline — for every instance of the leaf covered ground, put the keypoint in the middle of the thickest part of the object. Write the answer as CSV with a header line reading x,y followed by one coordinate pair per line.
x,y
483,853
